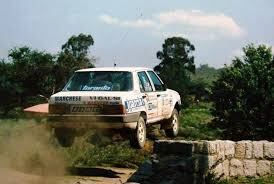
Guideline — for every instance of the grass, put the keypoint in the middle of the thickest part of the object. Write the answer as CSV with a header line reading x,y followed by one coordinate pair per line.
x,y
195,123
261,180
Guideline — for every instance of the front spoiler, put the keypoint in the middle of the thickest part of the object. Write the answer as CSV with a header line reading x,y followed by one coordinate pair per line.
x,y
93,121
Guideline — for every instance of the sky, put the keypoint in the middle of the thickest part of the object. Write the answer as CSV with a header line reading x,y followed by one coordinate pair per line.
x,y
130,33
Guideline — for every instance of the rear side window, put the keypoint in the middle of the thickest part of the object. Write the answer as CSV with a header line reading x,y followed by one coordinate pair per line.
x,y
157,83
144,82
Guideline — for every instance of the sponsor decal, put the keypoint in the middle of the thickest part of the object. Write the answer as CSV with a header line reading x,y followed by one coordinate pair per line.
x,y
97,88
85,109
67,98
108,98
131,104
112,100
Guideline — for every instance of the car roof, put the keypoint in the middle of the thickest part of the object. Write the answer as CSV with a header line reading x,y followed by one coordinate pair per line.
x,y
129,69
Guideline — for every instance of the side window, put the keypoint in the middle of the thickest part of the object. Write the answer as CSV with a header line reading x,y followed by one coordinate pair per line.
x,y
157,83
144,82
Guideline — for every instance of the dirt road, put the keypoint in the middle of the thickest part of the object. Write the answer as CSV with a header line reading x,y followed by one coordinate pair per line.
x,y
85,176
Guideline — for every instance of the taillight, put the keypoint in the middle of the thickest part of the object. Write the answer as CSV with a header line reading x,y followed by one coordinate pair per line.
x,y
113,109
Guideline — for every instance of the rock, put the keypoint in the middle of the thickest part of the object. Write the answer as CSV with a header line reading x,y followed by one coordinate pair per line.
x,y
199,147
220,150
226,168
263,167
250,168
248,149
240,149
272,168
218,170
269,150
146,168
211,147
184,148
258,149
229,149
144,172
236,168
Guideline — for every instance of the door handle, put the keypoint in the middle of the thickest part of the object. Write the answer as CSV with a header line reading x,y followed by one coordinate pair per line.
x,y
158,95
144,96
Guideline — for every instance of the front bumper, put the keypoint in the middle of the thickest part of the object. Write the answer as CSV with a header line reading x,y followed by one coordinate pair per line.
x,y
93,121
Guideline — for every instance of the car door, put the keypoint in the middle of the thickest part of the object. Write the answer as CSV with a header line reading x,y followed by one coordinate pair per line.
x,y
161,93
149,96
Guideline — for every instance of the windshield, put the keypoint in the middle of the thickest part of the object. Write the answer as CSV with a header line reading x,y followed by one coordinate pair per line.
x,y
100,81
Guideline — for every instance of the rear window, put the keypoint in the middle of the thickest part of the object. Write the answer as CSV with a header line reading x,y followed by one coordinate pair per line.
x,y
100,81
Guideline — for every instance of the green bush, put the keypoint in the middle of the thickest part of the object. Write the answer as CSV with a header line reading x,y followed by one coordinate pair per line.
x,y
243,96
195,123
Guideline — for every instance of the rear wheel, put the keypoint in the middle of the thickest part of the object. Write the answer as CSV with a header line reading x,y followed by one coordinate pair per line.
x,y
65,136
173,125
138,136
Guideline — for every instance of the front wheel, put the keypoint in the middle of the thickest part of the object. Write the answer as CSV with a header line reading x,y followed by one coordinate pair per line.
x,y
65,136
138,136
173,125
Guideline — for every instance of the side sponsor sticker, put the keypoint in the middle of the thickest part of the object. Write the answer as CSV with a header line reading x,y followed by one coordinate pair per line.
x,y
131,104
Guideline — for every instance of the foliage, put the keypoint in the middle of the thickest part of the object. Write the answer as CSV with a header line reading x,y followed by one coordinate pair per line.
x,y
177,62
195,123
119,154
243,96
206,74
74,56
201,81
25,76
30,74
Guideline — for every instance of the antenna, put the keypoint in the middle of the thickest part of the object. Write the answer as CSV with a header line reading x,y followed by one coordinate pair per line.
x,y
123,36
114,63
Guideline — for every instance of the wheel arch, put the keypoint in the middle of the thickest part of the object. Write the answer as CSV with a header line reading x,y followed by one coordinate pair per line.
x,y
144,115
177,107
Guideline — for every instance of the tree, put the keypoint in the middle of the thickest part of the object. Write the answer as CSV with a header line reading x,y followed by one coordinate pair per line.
x,y
243,96
8,89
74,56
26,75
202,81
177,62
30,73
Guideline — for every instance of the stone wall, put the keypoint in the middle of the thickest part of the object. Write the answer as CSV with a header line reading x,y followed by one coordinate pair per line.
x,y
191,161
226,158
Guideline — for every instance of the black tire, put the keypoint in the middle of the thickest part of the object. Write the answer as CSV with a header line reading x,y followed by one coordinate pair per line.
x,y
138,136
65,136
173,124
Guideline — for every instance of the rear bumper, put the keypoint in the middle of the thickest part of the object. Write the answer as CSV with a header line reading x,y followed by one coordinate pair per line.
x,y
94,121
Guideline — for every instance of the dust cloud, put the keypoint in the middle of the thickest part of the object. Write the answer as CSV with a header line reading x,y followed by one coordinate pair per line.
x,y
28,155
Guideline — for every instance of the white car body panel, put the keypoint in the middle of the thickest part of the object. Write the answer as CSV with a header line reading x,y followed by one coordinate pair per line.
x,y
157,105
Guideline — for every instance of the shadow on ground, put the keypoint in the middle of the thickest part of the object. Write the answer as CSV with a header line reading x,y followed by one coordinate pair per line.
x,y
93,171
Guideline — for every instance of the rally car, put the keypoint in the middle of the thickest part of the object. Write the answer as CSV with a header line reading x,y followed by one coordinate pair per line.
x,y
125,98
